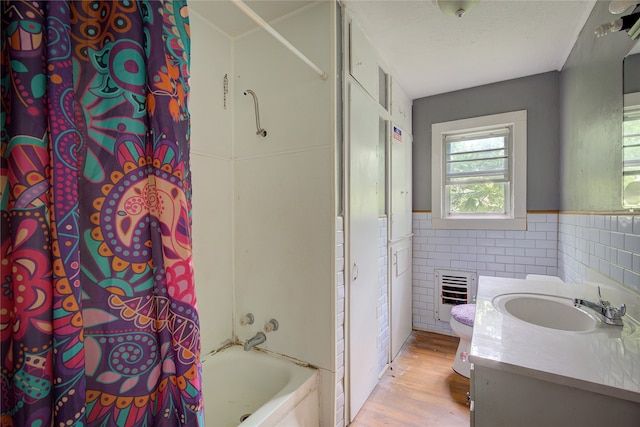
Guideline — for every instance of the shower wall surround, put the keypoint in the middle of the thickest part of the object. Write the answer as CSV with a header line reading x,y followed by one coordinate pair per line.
x,y
212,168
265,207
284,196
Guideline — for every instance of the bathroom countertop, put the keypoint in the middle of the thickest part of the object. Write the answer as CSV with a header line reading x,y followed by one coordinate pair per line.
x,y
605,360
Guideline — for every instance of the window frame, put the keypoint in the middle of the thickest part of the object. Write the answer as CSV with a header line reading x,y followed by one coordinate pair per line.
x,y
631,105
516,218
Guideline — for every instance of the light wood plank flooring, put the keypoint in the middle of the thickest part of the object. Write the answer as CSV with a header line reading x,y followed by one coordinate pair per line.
x,y
420,388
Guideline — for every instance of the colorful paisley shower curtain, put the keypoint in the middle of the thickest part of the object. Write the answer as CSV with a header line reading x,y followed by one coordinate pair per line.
x,y
98,315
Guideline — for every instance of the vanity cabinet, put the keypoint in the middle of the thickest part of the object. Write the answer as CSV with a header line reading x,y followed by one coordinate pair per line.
x,y
504,398
528,375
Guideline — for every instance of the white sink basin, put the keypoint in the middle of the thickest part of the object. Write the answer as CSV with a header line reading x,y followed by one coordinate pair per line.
x,y
545,310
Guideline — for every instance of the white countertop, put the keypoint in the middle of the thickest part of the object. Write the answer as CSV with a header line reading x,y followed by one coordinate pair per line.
x,y
605,360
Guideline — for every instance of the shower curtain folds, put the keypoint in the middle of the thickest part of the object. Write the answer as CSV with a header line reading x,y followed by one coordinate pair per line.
x,y
98,317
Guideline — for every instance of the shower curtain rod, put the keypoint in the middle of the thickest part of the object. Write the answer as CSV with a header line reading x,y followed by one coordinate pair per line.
x,y
258,20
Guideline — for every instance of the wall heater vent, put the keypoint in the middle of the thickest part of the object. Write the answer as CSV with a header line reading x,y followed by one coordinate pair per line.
x,y
453,288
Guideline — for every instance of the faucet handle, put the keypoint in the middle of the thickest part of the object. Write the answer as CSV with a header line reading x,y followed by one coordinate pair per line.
x,y
247,319
271,325
616,313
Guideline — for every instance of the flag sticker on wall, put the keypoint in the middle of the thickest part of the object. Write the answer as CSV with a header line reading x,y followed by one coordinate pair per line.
x,y
397,134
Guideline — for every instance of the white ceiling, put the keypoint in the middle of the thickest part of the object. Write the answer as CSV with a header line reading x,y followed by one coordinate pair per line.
x,y
430,53
233,22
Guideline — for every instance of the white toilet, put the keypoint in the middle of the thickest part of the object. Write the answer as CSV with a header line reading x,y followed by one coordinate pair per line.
x,y
462,317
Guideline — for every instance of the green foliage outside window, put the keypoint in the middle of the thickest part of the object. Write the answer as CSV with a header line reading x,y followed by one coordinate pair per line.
x,y
477,171
488,197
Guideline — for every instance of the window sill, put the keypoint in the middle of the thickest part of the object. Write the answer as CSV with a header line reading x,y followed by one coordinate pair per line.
x,y
515,224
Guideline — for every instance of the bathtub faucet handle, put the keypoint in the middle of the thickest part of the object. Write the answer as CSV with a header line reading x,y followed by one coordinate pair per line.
x,y
247,319
271,325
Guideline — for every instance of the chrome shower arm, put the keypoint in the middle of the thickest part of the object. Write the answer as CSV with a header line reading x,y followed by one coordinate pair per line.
x,y
260,131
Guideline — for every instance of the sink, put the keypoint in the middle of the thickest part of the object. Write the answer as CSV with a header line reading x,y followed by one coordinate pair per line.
x,y
546,310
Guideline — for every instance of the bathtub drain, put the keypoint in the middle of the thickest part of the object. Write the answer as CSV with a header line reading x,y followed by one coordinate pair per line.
x,y
244,417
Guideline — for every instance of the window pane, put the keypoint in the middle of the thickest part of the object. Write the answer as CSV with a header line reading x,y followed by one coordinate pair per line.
x,y
475,145
477,198
486,166
477,155
631,140
477,179
631,153
631,163
631,127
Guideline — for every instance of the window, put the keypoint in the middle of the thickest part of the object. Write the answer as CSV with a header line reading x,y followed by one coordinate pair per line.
x,y
631,152
479,170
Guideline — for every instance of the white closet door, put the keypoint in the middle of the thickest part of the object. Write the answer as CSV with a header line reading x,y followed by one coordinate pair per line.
x,y
362,272
401,222
401,294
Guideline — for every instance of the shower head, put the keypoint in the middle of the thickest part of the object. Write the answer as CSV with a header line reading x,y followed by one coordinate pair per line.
x,y
260,131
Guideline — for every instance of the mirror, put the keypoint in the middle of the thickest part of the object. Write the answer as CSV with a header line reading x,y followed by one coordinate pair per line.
x,y
631,130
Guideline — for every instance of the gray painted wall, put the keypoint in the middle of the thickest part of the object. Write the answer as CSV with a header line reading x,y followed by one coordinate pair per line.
x,y
591,118
632,73
537,94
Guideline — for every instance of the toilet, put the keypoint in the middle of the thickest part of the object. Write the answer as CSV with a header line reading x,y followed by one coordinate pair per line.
x,y
462,317
461,322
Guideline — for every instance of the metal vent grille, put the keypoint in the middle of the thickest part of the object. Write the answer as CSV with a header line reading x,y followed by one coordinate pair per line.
x,y
454,287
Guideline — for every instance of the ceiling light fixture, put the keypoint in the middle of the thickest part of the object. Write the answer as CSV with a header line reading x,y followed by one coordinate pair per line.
x,y
618,7
456,7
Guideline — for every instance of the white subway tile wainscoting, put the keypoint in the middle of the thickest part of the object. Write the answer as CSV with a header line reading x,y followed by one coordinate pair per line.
x,y
563,245
609,244
500,253
340,312
383,298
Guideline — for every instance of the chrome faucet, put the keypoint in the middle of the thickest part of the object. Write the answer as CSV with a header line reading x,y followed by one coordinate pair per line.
x,y
608,314
258,338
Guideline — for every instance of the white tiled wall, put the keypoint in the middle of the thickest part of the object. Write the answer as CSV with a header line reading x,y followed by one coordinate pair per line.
x,y
383,300
609,244
340,323
499,253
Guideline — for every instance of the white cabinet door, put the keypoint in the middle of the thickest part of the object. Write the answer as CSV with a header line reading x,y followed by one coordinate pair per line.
x,y
401,294
401,106
363,61
401,183
362,273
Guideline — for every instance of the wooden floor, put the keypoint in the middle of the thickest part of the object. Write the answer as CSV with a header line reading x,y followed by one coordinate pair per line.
x,y
420,388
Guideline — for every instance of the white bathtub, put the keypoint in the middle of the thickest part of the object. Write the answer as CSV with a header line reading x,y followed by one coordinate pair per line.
x,y
273,390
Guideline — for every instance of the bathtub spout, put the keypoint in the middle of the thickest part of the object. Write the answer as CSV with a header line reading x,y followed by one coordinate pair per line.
x,y
258,338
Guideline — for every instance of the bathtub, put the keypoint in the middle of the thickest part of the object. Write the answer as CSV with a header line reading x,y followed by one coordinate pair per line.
x,y
254,388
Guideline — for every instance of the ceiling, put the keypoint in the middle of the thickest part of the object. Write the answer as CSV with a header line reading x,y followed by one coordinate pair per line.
x,y
233,22
429,53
